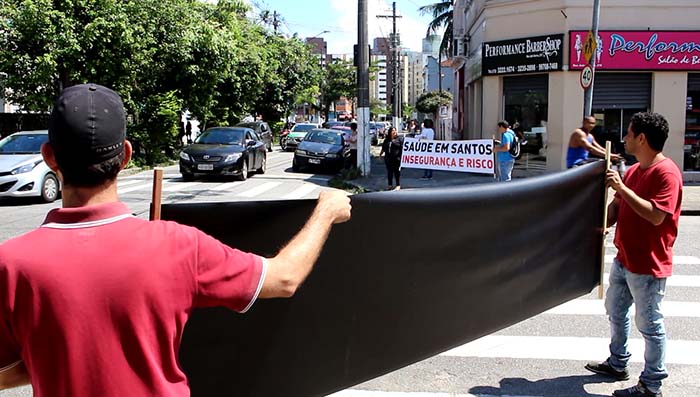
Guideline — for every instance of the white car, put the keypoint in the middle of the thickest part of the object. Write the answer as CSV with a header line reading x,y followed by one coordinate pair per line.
x,y
23,172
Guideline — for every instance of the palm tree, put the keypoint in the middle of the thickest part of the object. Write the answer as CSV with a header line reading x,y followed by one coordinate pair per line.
x,y
442,17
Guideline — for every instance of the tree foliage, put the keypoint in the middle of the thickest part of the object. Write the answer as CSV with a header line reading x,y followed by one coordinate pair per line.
x,y
430,102
339,81
162,56
442,13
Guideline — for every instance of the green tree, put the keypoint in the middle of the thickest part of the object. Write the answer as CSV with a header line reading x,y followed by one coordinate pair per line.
x,y
340,80
377,108
442,13
430,102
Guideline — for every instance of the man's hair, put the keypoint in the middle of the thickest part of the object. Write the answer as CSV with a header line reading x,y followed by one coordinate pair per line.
x,y
654,127
353,125
428,123
589,117
503,124
92,175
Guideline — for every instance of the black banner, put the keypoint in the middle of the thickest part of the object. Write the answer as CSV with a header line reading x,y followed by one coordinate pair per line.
x,y
412,274
527,55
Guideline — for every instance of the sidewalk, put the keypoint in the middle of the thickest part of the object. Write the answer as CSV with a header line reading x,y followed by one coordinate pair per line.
x,y
410,179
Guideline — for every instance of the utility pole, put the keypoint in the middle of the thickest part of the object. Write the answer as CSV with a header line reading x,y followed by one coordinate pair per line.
x,y
395,69
363,143
588,98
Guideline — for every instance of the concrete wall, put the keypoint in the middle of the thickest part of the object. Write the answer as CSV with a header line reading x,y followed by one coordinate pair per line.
x,y
668,93
565,114
492,105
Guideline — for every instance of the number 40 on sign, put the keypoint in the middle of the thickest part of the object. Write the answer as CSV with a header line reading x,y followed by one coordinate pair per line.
x,y
586,77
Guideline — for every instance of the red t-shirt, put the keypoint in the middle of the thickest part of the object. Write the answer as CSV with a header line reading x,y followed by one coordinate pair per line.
x,y
642,247
95,300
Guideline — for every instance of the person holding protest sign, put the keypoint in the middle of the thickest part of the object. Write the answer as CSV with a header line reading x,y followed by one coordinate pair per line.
x,y
506,162
646,208
101,308
427,133
393,147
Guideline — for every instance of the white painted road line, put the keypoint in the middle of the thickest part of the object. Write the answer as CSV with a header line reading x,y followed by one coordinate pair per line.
x,y
174,187
227,186
673,281
124,182
595,307
260,189
135,188
677,259
300,192
569,348
372,393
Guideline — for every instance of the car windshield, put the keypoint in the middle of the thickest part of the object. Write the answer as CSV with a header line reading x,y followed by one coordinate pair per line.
x,y
23,144
323,137
221,136
376,126
303,127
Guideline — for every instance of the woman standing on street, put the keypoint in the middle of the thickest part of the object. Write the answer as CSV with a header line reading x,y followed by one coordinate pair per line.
x,y
392,147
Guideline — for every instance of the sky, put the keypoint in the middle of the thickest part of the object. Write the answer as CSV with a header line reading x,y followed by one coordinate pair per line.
x,y
308,18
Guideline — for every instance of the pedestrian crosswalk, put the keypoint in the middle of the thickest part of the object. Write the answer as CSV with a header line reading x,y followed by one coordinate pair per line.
x,y
262,187
522,361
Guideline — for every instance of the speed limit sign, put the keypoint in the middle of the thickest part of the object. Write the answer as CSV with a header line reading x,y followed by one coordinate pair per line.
x,y
586,77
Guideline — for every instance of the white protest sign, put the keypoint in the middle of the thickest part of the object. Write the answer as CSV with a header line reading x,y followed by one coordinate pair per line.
x,y
462,156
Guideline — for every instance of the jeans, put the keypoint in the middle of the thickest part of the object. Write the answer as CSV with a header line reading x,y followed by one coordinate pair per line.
x,y
505,168
646,292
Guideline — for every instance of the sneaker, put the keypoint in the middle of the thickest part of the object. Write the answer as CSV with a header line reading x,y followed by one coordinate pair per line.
x,y
638,390
605,369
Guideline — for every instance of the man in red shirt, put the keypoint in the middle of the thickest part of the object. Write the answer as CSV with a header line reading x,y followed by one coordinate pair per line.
x,y
94,302
646,207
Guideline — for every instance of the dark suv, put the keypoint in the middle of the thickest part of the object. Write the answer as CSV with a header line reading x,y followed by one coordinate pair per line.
x,y
262,129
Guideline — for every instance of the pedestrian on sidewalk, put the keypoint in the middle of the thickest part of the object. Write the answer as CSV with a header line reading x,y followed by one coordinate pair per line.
x,y
427,133
351,139
505,160
582,142
646,208
101,308
393,148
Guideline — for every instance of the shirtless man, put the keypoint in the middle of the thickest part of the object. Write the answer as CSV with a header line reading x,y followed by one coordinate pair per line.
x,y
581,143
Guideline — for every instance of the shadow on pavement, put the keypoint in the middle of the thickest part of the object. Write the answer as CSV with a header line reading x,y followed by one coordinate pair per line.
x,y
565,386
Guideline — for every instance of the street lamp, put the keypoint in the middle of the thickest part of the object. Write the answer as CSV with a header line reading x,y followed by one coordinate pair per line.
x,y
324,32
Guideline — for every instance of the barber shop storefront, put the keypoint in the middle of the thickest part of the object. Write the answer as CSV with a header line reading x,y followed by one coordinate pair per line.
x,y
524,64
645,71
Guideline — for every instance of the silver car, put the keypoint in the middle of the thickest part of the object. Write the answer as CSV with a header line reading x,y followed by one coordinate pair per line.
x,y
23,172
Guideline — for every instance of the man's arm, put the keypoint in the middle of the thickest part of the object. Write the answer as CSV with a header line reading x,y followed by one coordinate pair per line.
x,y
14,376
643,208
501,147
288,270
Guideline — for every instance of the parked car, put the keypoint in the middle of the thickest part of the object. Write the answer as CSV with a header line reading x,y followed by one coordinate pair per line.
x,y
297,134
234,151
23,172
376,130
322,148
334,123
262,129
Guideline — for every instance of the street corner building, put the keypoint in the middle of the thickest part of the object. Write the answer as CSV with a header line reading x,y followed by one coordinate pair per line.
x,y
521,61
364,312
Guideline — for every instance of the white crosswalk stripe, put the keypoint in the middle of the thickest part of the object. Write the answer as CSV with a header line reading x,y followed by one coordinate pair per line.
x,y
175,187
677,260
300,192
226,186
130,189
596,307
673,281
370,393
260,189
127,182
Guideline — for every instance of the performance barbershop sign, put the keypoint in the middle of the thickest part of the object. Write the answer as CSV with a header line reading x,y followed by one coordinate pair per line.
x,y
463,156
528,55
639,50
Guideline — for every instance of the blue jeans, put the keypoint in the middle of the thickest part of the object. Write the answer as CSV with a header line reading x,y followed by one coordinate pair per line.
x,y
505,168
646,292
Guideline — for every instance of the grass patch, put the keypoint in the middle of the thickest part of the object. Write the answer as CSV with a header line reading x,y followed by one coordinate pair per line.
x,y
341,181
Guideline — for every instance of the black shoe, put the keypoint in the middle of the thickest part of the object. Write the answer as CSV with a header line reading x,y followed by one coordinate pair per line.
x,y
605,369
639,390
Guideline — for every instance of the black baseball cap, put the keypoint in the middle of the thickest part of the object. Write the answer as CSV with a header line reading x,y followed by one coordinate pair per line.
x,y
87,124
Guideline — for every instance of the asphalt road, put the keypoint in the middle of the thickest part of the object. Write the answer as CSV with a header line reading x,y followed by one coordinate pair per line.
x,y
542,356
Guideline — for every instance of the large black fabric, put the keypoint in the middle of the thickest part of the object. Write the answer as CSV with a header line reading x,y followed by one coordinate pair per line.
x,y
466,262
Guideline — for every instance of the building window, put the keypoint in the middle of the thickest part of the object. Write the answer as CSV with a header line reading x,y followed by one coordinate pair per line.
x,y
525,99
691,144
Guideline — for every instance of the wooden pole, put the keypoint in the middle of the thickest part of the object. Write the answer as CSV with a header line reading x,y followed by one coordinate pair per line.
x,y
605,223
157,193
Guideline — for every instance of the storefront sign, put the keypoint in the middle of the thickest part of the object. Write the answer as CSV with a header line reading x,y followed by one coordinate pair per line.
x,y
463,156
638,50
527,55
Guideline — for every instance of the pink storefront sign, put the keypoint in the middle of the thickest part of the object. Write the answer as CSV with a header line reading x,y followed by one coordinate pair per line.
x,y
638,50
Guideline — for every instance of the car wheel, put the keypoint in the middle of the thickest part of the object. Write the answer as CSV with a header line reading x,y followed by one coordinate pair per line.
x,y
283,144
49,188
187,177
244,171
295,166
263,165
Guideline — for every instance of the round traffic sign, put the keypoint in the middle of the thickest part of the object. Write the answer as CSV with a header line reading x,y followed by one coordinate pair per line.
x,y
586,77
